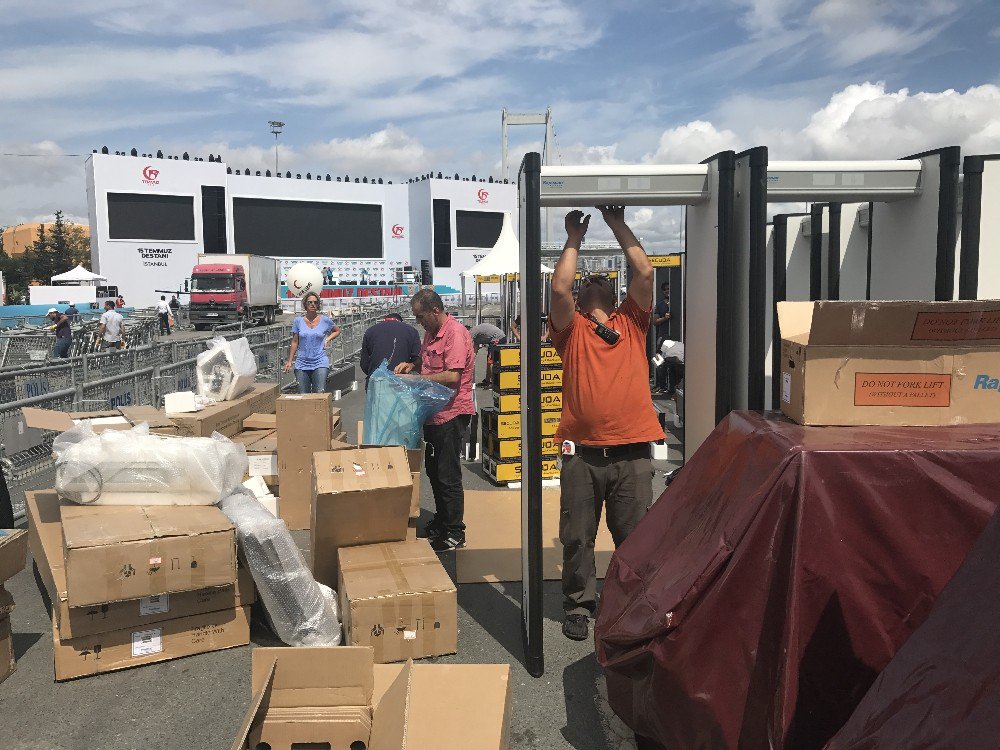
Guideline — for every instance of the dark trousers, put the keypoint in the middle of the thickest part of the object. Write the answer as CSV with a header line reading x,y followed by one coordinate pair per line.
x,y
164,322
588,483
444,470
61,349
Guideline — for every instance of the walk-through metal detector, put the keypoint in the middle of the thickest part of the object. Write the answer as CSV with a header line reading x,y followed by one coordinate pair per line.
x,y
711,316
979,260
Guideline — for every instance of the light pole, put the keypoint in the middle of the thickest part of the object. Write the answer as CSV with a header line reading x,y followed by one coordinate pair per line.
x,y
276,127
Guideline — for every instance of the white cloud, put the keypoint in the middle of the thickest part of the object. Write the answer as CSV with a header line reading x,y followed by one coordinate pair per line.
x,y
693,142
388,152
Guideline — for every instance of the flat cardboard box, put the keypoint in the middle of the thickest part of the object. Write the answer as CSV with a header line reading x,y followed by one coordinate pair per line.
x,y
360,497
171,639
60,421
305,427
493,546
246,438
890,363
227,417
398,599
45,538
260,422
157,419
115,553
409,704
8,664
13,552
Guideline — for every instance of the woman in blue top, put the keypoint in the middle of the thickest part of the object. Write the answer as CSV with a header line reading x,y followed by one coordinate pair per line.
x,y
311,333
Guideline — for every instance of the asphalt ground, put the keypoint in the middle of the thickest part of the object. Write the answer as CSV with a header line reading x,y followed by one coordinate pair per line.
x,y
198,702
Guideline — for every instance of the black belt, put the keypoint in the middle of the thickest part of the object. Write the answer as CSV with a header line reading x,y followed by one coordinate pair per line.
x,y
631,450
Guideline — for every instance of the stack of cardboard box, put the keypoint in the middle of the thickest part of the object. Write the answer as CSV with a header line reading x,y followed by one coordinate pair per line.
x,y
395,595
132,585
501,444
13,549
339,698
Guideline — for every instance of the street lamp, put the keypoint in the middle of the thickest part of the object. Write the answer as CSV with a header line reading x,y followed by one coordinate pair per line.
x,y
276,127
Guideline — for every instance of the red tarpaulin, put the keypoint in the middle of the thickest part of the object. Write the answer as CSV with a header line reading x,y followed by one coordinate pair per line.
x,y
777,576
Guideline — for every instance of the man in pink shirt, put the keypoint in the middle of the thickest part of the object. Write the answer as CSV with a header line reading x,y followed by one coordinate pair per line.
x,y
447,357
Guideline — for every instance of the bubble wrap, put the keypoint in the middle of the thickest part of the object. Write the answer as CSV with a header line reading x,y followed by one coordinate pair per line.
x,y
302,612
133,467
226,369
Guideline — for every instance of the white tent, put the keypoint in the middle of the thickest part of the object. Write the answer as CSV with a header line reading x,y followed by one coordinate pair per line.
x,y
504,258
78,275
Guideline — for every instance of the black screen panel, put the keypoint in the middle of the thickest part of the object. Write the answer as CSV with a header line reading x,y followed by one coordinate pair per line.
x,y
307,229
213,218
140,216
441,210
478,228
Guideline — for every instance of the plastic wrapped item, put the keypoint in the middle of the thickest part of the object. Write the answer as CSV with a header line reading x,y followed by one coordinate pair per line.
x,y
134,467
226,369
302,612
397,407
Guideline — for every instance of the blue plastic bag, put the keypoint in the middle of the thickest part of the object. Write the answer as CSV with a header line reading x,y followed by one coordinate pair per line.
x,y
397,407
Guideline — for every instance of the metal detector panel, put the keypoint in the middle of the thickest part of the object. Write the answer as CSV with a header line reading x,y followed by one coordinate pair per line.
x,y
789,256
852,250
913,241
819,251
709,275
750,307
631,185
979,276
842,181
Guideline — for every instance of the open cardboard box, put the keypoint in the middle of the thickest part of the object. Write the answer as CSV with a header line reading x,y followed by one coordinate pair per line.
x,y
329,697
13,552
890,363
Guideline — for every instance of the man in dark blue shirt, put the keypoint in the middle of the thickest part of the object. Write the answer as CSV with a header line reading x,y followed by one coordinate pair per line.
x,y
390,339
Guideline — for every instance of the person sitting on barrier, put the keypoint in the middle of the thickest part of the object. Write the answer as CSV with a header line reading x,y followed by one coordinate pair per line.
x,y
390,339
446,357
608,420
64,333
163,313
311,334
112,327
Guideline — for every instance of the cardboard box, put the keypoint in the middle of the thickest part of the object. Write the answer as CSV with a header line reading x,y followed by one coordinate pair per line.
x,y
60,421
296,691
305,426
509,470
493,548
227,417
157,419
509,356
114,553
360,497
507,448
415,456
262,457
398,599
260,422
510,403
13,552
415,495
171,639
6,603
8,665
249,437
506,426
509,381
890,363
45,538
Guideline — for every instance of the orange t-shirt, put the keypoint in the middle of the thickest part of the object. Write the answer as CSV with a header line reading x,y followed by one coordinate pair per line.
x,y
606,398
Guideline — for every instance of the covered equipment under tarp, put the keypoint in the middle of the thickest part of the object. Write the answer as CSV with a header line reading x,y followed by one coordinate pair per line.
x,y
781,571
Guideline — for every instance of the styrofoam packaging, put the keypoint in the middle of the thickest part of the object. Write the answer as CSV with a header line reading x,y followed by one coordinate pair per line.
x,y
226,369
180,402
133,467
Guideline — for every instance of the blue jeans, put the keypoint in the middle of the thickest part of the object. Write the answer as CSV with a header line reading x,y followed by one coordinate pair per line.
x,y
312,381
61,349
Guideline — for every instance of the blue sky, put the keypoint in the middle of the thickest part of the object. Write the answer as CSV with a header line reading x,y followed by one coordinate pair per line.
x,y
397,89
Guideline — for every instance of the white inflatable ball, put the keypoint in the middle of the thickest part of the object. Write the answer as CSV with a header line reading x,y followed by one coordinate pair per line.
x,y
303,278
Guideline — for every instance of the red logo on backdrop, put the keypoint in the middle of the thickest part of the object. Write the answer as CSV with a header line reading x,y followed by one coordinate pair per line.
x,y
484,195
397,231
150,175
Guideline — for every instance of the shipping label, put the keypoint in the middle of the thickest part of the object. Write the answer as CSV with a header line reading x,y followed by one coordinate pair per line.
x,y
957,326
901,389
147,642
154,605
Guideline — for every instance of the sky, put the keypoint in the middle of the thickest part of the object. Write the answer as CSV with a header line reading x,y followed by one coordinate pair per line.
x,y
398,89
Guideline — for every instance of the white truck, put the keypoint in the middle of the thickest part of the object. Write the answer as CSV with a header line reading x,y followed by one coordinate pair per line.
x,y
228,288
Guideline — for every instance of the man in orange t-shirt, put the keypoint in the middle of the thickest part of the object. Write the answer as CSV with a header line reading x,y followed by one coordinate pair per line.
x,y
608,420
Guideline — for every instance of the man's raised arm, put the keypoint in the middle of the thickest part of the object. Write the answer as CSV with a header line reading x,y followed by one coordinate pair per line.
x,y
563,306
641,288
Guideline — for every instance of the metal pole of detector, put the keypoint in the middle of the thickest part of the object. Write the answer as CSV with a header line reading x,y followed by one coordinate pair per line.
x,y
530,235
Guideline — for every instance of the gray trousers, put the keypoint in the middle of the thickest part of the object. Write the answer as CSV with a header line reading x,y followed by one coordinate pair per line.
x,y
625,488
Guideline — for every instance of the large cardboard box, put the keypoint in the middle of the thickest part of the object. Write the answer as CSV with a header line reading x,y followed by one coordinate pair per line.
x,y
415,456
114,553
890,363
493,547
260,422
262,457
7,662
298,692
360,497
398,599
13,552
45,538
227,417
305,426
171,639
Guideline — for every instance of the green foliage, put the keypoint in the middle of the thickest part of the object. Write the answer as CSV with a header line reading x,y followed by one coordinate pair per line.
x,y
53,252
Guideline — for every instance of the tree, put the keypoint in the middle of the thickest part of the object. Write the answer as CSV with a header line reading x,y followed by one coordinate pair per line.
x,y
56,251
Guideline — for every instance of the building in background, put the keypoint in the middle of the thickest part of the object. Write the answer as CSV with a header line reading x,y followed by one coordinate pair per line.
x,y
20,237
150,217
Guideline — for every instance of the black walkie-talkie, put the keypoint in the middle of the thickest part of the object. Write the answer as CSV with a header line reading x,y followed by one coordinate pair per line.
x,y
610,335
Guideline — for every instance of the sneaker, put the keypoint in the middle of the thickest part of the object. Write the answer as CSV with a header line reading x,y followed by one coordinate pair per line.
x,y
431,531
576,627
447,543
